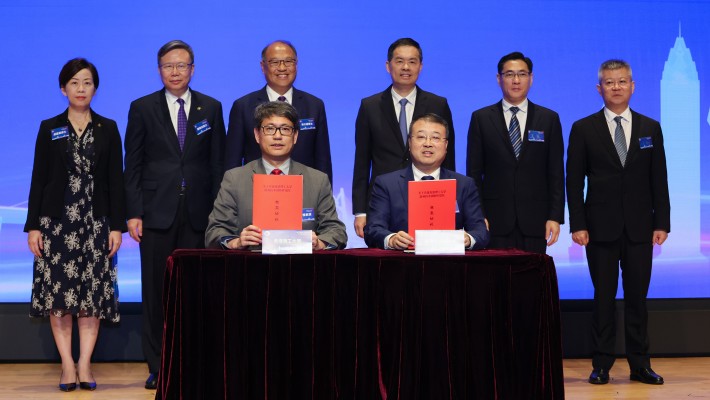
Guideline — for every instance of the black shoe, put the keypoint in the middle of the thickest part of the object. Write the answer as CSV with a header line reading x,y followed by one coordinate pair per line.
x,y
599,376
646,375
87,385
152,381
66,387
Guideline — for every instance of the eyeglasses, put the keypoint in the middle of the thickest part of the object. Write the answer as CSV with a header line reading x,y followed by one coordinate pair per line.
x,y
182,67
288,63
510,75
435,139
285,130
622,83
400,62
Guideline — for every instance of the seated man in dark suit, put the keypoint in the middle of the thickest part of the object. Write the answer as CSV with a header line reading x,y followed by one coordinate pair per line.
x,y
387,215
279,63
230,223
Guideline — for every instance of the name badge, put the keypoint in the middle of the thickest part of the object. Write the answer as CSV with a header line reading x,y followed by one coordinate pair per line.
x,y
58,133
646,142
536,136
286,242
306,124
308,214
202,127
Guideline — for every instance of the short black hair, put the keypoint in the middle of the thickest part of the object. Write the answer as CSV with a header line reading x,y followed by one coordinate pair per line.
x,y
286,42
404,42
174,45
73,66
277,109
516,55
431,117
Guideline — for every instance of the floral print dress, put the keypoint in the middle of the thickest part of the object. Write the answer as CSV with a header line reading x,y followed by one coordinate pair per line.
x,y
75,275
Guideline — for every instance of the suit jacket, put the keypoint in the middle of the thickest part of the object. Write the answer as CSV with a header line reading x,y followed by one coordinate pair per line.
x,y
312,148
155,166
388,211
632,197
50,177
379,146
530,189
233,207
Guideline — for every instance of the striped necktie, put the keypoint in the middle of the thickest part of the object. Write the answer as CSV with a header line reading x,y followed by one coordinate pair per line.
x,y
514,132
620,140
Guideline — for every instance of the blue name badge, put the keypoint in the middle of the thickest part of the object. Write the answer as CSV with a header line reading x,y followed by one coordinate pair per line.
x,y
58,133
202,127
646,142
536,136
306,124
308,214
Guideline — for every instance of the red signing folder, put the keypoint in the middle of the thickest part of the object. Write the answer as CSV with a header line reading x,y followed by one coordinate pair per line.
x,y
432,205
278,201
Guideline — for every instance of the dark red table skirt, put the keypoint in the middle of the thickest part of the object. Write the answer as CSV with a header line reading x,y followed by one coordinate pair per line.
x,y
361,324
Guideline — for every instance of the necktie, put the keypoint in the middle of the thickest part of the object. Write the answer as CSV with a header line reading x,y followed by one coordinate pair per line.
x,y
620,140
514,132
276,171
282,98
403,119
427,178
181,123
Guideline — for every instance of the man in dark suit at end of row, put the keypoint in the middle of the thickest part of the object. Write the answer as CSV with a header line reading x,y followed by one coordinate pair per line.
x,y
279,63
515,154
383,120
174,162
626,212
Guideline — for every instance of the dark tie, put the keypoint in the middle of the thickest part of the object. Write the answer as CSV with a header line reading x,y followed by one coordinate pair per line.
x,y
620,140
276,171
282,98
514,132
403,119
427,178
181,123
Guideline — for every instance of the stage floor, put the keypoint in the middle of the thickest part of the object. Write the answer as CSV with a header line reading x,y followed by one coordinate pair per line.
x,y
686,378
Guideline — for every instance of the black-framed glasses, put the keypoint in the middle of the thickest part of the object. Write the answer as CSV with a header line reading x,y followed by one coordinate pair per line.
x,y
285,130
182,67
510,75
287,62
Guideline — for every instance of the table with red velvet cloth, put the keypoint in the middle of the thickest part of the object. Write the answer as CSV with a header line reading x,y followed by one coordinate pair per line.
x,y
360,324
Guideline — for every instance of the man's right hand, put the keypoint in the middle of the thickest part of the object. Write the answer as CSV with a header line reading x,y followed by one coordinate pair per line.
x,y
135,228
400,241
581,237
360,225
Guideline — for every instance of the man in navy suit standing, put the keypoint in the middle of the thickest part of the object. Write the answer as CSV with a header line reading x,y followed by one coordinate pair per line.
x,y
515,154
279,63
627,211
174,163
382,123
388,212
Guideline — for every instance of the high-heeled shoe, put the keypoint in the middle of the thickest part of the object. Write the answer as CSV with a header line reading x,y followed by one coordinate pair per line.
x,y
66,387
87,385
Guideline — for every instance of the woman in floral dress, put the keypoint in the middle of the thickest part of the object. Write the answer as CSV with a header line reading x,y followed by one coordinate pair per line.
x,y
75,217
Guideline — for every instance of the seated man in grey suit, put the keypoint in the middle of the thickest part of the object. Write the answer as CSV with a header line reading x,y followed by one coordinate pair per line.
x,y
387,219
230,223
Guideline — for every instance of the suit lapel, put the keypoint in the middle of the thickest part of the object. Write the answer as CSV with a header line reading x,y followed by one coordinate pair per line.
x,y
604,136
197,114
163,117
529,118
406,176
634,146
498,121
390,116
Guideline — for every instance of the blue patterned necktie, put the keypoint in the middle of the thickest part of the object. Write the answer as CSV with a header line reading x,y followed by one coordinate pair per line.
x,y
514,132
620,140
403,119
427,178
181,124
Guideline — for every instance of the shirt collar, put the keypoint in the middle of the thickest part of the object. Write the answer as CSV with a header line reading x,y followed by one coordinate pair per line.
x,y
273,96
285,167
172,99
411,97
523,107
609,115
419,174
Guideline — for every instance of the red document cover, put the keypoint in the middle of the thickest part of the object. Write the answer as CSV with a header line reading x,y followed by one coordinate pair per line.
x,y
278,201
432,205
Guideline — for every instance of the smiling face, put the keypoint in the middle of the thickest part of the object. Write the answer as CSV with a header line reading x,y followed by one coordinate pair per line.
x,y
404,67
616,87
515,86
427,145
80,89
175,80
275,149
279,76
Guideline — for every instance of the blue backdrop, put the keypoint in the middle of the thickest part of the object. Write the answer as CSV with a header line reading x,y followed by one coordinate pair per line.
x,y
342,53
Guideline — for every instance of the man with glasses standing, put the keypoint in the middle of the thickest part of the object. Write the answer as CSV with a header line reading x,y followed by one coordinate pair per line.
x,y
174,161
276,132
515,155
279,63
388,212
381,125
626,212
